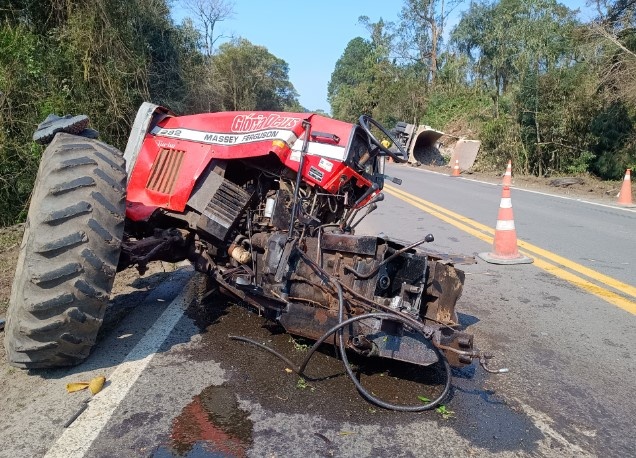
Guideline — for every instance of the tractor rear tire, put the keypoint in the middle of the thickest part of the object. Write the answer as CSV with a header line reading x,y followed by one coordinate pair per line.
x,y
68,256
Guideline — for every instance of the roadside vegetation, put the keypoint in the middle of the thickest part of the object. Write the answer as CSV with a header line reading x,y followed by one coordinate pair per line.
x,y
528,79
104,58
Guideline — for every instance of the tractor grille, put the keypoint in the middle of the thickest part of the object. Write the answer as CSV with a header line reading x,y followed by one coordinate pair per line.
x,y
224,209
165,170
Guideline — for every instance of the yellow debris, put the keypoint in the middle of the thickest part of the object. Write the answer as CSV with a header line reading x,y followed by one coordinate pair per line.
x,y
95,385
77,386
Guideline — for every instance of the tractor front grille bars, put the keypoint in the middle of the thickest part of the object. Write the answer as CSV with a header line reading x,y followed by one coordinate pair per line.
x,y
165,171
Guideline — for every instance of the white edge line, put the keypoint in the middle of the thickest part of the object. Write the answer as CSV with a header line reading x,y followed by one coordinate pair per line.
x,y
542,423
76,440
615,207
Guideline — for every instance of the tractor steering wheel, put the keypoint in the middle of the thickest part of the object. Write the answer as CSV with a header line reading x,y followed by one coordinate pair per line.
x,y
365,121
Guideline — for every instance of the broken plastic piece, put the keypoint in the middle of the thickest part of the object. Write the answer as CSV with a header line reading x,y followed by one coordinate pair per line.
x,y
95,385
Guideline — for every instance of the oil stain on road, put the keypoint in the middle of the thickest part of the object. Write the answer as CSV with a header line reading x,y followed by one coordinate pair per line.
x,y
213,423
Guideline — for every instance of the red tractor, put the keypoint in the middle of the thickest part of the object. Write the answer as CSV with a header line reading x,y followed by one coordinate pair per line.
x,y
264,203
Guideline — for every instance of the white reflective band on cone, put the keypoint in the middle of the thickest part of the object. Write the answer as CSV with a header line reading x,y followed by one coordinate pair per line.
x,y
506,225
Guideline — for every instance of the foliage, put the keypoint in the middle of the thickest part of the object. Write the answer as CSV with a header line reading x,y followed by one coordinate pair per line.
x,y
207,14
81,58
446,108
420,35
556,87
21,75
440,409
103,58
254,79
525,77
615,145
301,384
352,88
298,345
500,142
444,412
568,98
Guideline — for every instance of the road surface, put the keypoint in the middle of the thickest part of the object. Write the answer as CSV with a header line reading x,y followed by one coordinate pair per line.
x,y
565,326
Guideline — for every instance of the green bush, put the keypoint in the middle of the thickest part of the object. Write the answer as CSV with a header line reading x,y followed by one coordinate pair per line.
x,y
22,66
615,141
466,106
500,142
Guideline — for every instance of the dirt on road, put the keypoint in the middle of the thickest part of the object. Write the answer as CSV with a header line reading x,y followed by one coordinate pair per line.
x,y
10,238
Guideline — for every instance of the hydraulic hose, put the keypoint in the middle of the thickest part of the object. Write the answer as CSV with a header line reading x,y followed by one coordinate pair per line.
x,y
339,329
300,370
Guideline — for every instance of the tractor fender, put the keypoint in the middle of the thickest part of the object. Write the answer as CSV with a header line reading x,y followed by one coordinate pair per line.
x,y
148,116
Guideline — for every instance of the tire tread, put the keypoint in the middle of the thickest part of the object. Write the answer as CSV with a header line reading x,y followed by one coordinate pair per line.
x,y
69,254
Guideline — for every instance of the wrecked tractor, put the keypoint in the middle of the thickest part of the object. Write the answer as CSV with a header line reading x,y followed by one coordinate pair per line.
x,y
266,204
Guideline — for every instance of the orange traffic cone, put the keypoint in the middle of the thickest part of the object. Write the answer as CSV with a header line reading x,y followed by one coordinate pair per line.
x,y
507,178
456,169
505,243
625,196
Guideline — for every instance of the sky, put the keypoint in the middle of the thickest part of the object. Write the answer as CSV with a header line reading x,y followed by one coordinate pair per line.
x,y
311,35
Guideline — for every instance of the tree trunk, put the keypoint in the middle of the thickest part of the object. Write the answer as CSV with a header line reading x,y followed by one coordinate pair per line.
x,y
536,120
434,40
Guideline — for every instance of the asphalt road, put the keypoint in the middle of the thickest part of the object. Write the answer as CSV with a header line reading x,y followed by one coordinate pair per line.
x,y
596,235
178,386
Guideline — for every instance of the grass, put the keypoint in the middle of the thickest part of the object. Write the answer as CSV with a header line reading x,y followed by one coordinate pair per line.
x,y
10,237
440,409
298,345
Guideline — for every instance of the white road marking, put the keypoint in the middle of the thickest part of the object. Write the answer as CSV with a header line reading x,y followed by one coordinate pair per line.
x,y
77,438
542,422
615,207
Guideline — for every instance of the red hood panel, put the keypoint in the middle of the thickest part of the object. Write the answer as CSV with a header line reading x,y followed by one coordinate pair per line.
x,y
177,151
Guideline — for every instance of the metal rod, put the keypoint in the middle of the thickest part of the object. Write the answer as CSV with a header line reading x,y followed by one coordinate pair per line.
x,y
301,164
429,238
249,233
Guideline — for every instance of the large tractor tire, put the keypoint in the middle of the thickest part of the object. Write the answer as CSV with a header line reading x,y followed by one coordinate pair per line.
x,y
69,254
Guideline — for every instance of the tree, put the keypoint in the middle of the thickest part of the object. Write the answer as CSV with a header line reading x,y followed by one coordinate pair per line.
x,y
203,85
614,34
349,87
352,68
364,80
503,39
482,35
101,58
528,55
422,24
207,15
254,79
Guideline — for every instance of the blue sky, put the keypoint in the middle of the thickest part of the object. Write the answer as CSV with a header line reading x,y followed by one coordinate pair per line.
x,y
311,35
